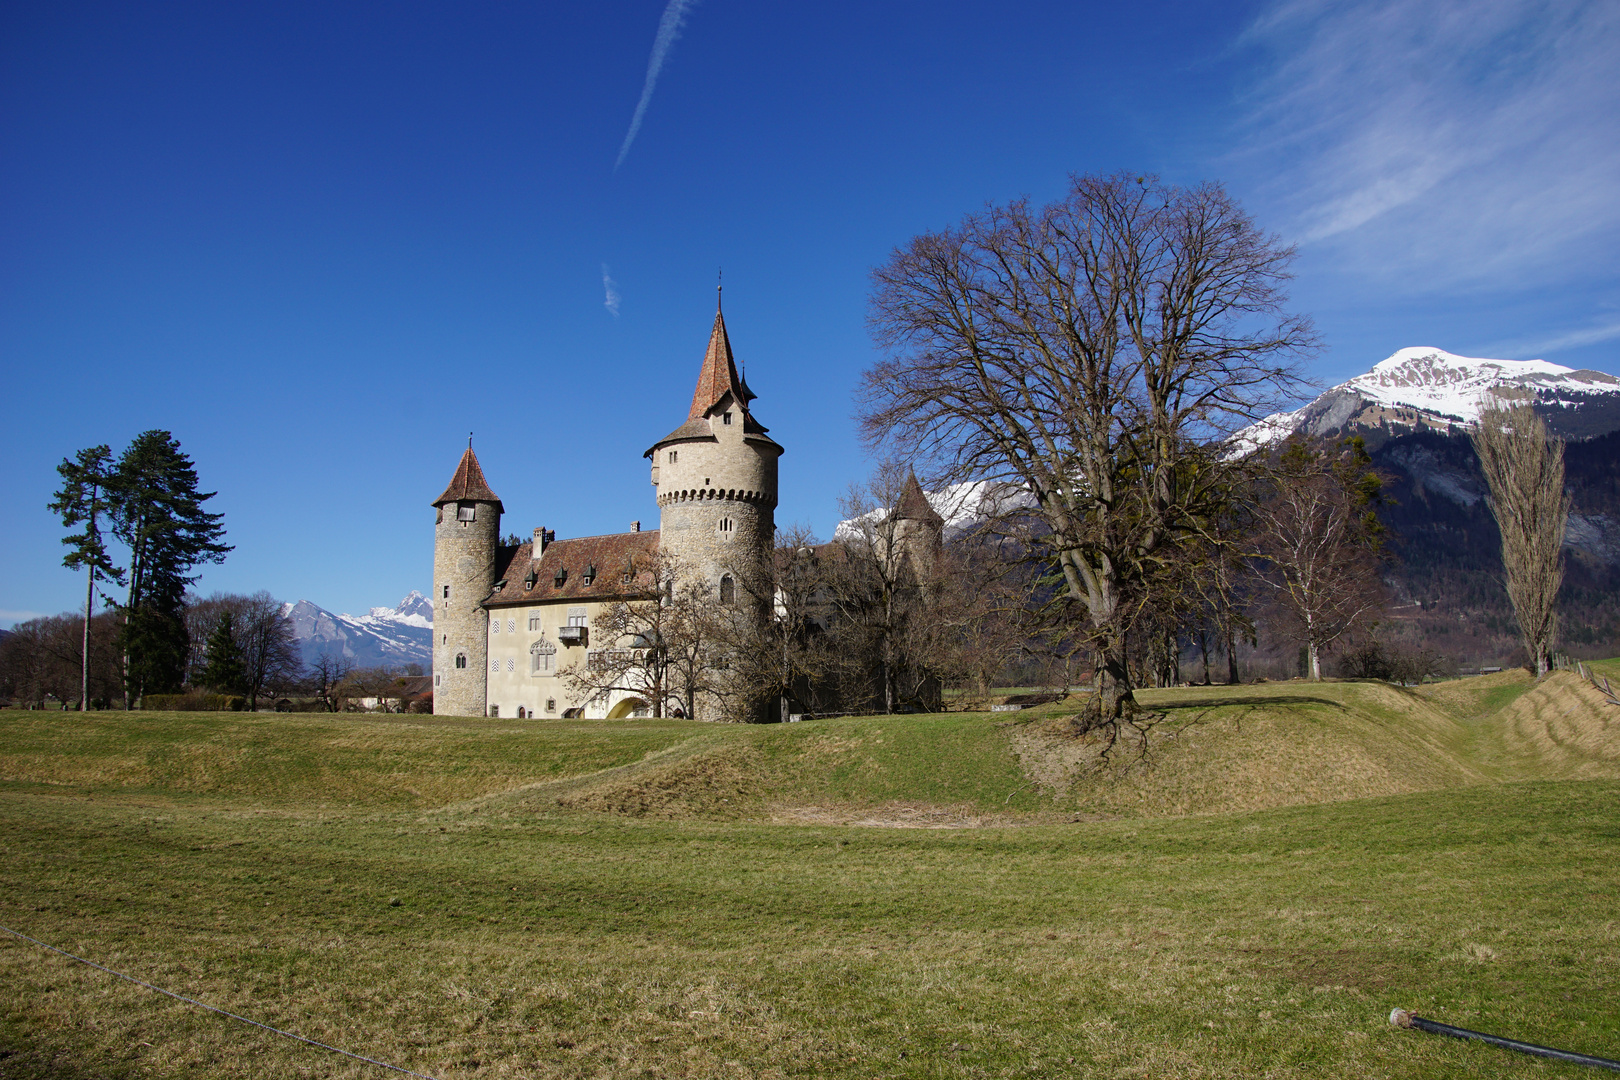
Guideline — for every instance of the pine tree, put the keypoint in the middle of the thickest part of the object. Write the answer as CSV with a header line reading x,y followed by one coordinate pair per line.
x,y
158,513
82,499
225,672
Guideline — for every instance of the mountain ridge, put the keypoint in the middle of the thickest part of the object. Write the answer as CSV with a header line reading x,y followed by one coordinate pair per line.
x,y
383,637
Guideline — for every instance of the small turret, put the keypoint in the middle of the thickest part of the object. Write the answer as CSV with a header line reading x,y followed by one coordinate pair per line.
x,y
466,538
919,530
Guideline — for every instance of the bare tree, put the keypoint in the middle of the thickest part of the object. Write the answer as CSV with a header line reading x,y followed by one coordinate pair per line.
x,y
1524,467
327,673
1092,352
1317,540
663,641
783,649
270,656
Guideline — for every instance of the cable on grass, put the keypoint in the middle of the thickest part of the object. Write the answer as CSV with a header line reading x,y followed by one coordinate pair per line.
x,y
212,1009
1402,1018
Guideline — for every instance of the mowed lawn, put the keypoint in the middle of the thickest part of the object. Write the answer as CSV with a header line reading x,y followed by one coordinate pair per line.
x,y
461,899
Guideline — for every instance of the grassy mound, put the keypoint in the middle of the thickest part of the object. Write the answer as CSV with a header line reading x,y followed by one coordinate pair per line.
x,y
1215,750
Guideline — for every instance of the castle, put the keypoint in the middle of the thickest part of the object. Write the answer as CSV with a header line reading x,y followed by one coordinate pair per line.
x,y
511,622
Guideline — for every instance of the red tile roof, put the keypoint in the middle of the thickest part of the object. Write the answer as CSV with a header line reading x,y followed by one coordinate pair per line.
x,y
719,375
612,556
469,485
717,379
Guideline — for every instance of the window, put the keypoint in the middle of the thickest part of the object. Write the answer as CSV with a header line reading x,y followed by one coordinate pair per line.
x,y
576,616
590,574
551,704
673,454
444,639
494,710
461,659
438,680
725,418
542,658
728,590
534,621
466,512
495,627
727,525
447,592
511,665
495,665
596,660
511,626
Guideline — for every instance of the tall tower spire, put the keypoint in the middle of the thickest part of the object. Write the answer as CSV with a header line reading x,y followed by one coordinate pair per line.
x,y
716,479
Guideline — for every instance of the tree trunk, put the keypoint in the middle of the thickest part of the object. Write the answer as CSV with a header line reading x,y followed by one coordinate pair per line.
x,y
1232,678
1314,656
89,600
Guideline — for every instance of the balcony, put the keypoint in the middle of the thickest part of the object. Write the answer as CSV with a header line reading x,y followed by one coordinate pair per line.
x,y
573,635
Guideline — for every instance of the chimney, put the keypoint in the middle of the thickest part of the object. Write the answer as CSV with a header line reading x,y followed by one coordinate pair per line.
x,y
635,526
541,538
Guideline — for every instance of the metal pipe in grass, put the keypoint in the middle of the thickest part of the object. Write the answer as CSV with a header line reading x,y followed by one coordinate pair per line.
x,y
1402,1018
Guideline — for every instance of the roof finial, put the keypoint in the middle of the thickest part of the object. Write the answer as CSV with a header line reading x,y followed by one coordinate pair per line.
x,y
719,287
469,440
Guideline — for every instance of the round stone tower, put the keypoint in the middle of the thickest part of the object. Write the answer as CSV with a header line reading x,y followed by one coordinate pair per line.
x,y
716,478
465,542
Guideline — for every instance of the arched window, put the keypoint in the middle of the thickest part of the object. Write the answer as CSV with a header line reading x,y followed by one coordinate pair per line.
x,y
461,659
728,590
542,658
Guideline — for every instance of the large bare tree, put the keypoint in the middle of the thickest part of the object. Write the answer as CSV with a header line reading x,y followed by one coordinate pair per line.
x,y
1524,467
1093,352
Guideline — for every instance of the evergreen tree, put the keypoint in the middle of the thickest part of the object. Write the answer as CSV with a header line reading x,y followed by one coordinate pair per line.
x,y
82,499
225,673
158,513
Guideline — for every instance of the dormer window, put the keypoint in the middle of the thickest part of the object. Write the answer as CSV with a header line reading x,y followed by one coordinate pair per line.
x,y
559,577
725,418
466,511
590,575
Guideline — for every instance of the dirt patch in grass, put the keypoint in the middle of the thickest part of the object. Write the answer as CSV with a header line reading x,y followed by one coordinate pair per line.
x,y
898,816
1362,969
724,784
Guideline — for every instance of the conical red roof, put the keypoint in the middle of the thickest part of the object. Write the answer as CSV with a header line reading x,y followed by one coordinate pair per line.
x,y
719,375
469,485
914,505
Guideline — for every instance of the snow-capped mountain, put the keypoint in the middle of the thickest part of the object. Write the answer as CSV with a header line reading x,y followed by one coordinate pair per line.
x,y
390,637
963,506
1424,387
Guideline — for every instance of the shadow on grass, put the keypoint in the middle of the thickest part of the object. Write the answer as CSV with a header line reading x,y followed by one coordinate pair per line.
x,y
1252,702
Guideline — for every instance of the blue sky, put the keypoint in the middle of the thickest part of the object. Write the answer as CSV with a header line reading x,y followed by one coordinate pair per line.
x,y
320,243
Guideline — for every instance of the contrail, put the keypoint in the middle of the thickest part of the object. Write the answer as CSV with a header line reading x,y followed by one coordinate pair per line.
x,y
611,289
669,28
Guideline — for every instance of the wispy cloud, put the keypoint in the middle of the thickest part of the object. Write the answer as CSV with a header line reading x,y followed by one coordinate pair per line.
x,y
8,616
1442,142
1569,339
610,291
669,29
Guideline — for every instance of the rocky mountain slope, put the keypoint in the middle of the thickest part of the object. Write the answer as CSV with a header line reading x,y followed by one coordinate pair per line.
x,y
391,637
1428,389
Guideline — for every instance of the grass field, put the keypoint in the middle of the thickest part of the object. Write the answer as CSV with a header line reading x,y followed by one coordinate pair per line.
x,y
652,898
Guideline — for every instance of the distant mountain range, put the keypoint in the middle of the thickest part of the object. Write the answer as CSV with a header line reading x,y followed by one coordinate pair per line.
x,y
386,637
1428,389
